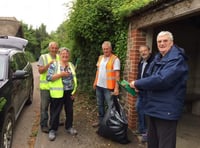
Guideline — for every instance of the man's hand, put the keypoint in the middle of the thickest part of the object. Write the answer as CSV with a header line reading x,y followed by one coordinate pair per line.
x,y
94,86
132,85
116,92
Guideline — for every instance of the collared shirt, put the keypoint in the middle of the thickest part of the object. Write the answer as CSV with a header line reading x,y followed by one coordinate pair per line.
x,y
102,71
144,63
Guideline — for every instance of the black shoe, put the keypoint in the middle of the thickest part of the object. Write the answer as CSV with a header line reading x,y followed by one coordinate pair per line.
x,y
45,129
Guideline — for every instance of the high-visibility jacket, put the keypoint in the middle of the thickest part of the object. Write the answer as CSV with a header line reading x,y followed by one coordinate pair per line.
x,y
43,82
110,73
57,87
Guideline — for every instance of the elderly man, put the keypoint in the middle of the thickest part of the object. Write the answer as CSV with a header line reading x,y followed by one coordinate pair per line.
x,y
43,64
166,88
107,75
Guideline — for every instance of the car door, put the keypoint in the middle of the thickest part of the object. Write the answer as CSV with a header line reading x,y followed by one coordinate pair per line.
x,y
19,92
23,65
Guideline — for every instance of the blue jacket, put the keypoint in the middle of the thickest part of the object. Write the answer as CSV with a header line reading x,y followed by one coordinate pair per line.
x,y
165,85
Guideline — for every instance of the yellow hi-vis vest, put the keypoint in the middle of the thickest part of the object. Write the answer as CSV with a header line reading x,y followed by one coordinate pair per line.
x,y
57,87
43,80
110,73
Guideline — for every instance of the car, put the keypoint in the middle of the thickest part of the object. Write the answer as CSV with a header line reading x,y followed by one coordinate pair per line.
x,y
16,85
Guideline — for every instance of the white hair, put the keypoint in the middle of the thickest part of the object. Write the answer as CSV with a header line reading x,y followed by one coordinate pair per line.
x,y
108,43
64,49
52,43
162,33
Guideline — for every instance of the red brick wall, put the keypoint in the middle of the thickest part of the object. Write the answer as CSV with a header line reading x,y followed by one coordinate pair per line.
x,y
136,38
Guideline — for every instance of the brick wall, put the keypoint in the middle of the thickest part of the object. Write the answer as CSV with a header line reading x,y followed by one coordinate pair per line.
x,y
136,38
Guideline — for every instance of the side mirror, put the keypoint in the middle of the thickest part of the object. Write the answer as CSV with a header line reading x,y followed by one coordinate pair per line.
x,y
20,74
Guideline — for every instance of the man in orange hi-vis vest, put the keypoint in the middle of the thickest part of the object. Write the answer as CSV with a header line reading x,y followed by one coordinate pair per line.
x,y
107,75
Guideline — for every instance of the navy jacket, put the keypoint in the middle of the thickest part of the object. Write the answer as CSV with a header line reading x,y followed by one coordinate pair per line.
x,y
165,85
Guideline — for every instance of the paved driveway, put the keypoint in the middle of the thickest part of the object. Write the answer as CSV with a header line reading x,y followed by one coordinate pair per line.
x,y
84,115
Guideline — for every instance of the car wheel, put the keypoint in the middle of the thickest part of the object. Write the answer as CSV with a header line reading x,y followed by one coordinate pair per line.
x,y
7,131
30,99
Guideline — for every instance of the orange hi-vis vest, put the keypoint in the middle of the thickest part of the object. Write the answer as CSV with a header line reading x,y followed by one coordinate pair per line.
x,y
110,73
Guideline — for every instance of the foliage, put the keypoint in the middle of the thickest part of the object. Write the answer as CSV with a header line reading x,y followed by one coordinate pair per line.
x,y
90,23
42,38
37,40
129,6
61,37
29,56
29,34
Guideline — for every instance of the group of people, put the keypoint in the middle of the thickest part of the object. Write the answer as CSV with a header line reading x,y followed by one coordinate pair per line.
x,y
58,84
160,85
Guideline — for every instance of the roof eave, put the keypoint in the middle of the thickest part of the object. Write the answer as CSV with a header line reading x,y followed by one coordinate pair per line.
x,y
154,6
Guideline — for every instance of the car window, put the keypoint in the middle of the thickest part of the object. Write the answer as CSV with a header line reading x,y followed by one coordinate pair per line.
x,y
2,67
18,62
21,61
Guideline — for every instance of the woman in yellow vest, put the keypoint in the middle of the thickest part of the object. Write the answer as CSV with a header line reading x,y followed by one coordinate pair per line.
x,y
63,84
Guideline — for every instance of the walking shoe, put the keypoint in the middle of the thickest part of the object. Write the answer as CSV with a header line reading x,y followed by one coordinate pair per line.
x,y
96,124
52,135
45,129
72,131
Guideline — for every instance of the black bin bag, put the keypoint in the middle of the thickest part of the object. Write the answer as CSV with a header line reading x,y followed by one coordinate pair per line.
x,y
114,124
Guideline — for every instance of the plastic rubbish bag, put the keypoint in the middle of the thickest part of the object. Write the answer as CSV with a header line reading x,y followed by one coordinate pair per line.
x,y
114,124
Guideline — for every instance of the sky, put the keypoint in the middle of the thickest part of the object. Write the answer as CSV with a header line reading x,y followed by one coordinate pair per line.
x,y
35,12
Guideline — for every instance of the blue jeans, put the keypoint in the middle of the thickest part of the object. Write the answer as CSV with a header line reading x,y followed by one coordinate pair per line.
x,y
103,95
141,116
44,106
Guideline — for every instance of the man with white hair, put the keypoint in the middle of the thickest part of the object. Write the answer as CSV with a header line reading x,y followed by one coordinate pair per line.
x,y
165,88
44,62
107,75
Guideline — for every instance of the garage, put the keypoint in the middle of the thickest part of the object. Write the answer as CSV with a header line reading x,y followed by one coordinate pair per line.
x,y
182,18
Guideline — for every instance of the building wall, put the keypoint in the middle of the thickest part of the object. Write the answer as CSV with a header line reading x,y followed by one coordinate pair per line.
x,y
135,39
142,31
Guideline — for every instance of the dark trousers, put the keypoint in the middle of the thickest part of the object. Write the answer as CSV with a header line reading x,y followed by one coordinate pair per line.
x,y
161,133
68,105
44,107
141,116
56,105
